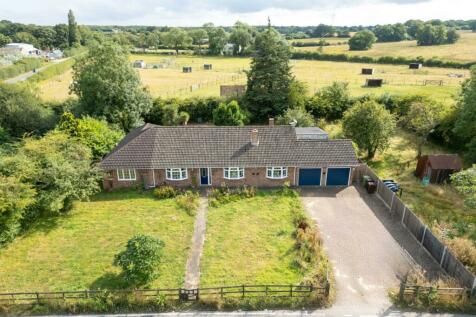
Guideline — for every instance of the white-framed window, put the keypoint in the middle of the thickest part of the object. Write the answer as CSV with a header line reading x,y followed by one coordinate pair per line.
x,y
126,174
176,174
277,172
233,172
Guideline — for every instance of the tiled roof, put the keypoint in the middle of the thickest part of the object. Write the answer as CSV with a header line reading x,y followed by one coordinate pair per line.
x,y
152,146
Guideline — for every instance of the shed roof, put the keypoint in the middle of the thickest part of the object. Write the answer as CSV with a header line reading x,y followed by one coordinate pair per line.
x,y
444,161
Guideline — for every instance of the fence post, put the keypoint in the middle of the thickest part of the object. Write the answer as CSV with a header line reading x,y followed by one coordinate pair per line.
x,y
443,256
423,236
38,297
221,292
327,289
391,204
243,290
266,290
473,289
291,290
403,285
403,215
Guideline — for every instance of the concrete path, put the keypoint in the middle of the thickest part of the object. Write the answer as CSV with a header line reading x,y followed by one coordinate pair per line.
x,y
27,75
369,250
192,271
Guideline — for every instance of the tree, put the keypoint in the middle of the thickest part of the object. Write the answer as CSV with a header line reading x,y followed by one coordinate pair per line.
x,y
241,37
198,36
473,25
217,39
298,93
414,27
95,134
390,33
370,126
323,30
177,39
172,116
4,40
141,259
25,37
73,38
22,112
331,102
58,168
270,78
300,116
108,86
465,125
452,36
46,37
362,41
61,36
229,114
422,118
465,184
431,34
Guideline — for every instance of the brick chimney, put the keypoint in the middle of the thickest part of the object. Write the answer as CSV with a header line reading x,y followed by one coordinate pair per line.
x,y
271,122
254,139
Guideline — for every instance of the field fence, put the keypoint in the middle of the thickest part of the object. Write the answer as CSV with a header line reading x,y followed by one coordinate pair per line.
x,y
438,251
412,292
238,291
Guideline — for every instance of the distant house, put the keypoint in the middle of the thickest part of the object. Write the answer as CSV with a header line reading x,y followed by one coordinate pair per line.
x,y
261,156
438,167
26,50
55,54
139,64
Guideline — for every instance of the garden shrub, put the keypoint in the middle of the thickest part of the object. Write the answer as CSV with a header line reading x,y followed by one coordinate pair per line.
x,y
224,195
465,251
165,192
188,201
140,260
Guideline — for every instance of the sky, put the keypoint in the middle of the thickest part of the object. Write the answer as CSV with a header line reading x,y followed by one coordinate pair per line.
x,y
227,12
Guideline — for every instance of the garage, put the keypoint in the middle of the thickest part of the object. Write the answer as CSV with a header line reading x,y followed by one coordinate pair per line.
x,y
309,177
338,176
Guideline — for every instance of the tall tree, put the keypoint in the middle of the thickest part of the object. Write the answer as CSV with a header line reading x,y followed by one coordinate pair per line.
x,y
72,29
370,126
108,86
61,36
465,125
4,40
241,37
177,39
362,41
217,39
198,36
270,78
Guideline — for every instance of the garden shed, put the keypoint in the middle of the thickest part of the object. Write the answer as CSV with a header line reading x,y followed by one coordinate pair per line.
x,y
438,167
187,69
415,65
374,82
368,71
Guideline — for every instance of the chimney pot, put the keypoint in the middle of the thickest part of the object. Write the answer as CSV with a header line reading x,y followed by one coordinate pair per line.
x,y
254,140
271,122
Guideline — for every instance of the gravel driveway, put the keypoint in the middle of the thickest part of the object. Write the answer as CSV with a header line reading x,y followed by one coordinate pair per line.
x,y
369,250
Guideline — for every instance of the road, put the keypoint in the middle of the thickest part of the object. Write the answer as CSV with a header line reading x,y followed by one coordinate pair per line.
x,y
27,75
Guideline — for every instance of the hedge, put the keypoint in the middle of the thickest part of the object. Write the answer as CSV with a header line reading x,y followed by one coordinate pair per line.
x,y
399,60
22,66
311,44
53,70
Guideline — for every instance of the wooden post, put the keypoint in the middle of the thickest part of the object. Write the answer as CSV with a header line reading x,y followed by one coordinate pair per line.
x,y
243,290
402,291
266,290
291,290
38,298
221,292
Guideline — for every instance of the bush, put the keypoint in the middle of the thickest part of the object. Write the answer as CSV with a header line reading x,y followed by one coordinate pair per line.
x,y
224,195
20,67
362,41
330,102
52,70
465,251
140,260
229,114
165,192
188,201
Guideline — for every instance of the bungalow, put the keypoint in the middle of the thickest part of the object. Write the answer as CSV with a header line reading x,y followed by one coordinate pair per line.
x,y
261,156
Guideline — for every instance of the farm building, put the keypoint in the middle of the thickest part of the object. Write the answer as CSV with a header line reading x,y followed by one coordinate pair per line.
x,y
232,90
187,69
261,156
374,82
438,167
368,71
139,64
415,65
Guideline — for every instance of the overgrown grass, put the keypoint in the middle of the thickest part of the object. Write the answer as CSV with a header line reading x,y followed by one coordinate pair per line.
x,y
76,252
253,241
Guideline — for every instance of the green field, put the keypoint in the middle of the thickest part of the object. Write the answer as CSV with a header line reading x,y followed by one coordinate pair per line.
x,y
250,242
462,51
172,82
76,251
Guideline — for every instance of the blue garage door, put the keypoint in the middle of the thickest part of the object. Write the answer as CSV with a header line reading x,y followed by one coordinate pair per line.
x,y
338,176
309,176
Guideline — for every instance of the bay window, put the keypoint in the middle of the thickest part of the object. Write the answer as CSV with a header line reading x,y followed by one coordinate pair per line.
x,y
234,173
176,174
277,172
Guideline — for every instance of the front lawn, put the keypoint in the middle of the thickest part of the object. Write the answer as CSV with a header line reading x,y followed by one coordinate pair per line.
x,y
250,241
76,252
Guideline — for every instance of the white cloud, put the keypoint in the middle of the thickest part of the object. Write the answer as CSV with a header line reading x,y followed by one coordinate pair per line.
x,y
226,12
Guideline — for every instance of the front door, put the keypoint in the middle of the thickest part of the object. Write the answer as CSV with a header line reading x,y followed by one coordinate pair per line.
x,y
204,176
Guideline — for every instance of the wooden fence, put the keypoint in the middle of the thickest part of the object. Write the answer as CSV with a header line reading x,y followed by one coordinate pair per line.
x,y
239,291
412,292
415,227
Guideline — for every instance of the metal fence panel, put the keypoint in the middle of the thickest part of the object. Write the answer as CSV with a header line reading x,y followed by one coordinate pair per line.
x,y
414,225
398,207
385,193
433,245
457,270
